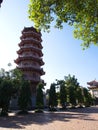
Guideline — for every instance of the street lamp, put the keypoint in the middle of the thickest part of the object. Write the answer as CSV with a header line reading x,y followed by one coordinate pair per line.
x,y
1,2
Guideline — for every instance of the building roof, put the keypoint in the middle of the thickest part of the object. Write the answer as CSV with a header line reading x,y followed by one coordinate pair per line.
x,y
26,29
93,84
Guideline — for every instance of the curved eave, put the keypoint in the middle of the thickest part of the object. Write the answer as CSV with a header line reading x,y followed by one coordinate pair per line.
x,y
22,43
20,59
30,49
93,83
40,71
93,87
31,29
29,35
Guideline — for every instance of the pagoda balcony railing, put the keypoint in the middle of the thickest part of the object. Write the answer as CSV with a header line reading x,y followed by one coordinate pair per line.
x,y
32,66
31,32
37,68
29,46
32,78
26,39
33,56
21,58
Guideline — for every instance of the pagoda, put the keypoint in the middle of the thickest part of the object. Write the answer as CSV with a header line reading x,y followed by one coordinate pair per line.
x,y
93,87
29,59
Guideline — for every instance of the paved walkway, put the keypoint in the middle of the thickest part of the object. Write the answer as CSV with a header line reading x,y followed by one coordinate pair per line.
x,y
76,119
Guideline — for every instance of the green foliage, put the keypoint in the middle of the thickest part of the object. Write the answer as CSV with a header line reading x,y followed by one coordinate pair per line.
x,y
24,99
63,93
39,96
52,96
83,15
72,86
17,78
11,85
5,95
87,97
80,97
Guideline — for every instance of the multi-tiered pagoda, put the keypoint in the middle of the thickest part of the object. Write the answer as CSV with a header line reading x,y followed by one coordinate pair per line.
x,y
30,58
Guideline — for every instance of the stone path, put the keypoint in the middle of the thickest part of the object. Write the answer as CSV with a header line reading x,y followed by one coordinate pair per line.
x,y
76,119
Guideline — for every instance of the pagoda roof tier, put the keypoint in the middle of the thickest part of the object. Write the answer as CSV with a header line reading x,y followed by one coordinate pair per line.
x,y
27,58
31,68
93,83
27,49
30,41
93,87
31,35
31,29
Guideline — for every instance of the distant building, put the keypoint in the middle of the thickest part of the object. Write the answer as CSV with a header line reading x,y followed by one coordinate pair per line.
x,y
93,87
29,59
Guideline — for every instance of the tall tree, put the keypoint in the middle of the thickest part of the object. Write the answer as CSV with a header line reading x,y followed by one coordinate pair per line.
x,y
80,97
39,96
87,97
72,85
83,15
62,93
52,96
24,99
5,95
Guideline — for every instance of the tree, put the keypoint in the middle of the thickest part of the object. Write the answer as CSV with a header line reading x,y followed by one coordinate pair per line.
x,y
52,97
24,99
5,95
62,93
39,96
13,85
83,15
72,85
72,95
87,97
80,97
7,90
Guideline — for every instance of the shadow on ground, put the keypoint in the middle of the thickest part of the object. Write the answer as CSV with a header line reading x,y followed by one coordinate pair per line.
x,y
93,109
20,122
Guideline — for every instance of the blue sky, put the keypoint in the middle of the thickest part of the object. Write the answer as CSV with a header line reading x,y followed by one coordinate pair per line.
x,y
63,54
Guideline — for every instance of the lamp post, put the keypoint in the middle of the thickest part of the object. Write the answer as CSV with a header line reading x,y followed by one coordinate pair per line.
x,y
1,2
